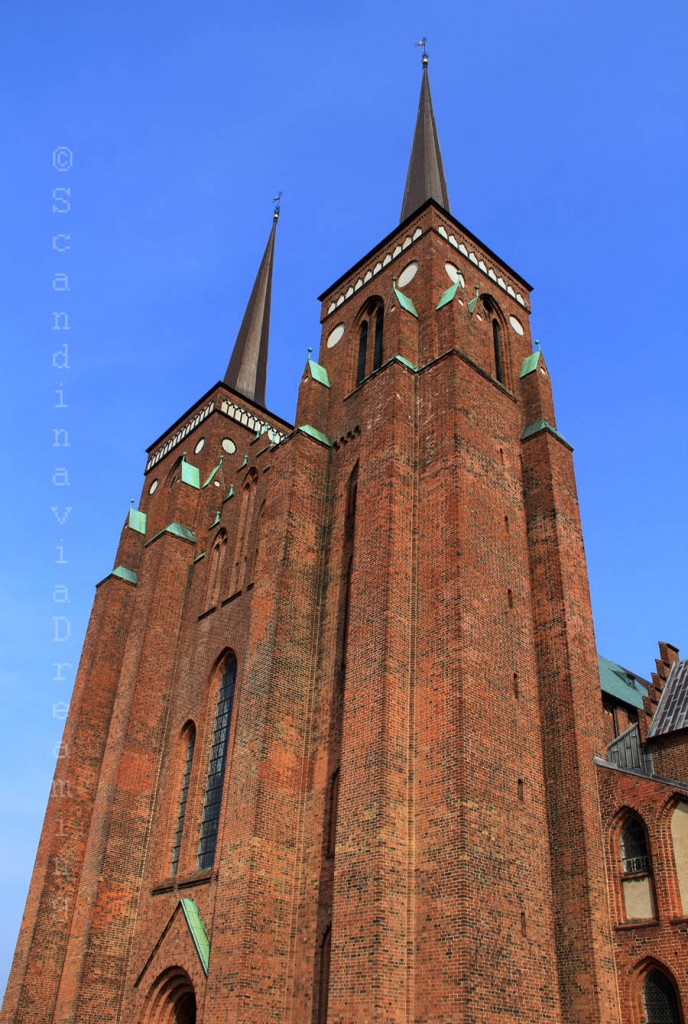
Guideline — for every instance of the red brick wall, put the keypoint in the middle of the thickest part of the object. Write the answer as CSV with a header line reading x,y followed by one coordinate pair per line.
x,y
665,940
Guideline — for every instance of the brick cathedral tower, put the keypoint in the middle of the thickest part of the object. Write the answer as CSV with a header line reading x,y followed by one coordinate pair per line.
x,y
331,750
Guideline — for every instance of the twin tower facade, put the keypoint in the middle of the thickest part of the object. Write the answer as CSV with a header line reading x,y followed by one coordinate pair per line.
x,y
336,750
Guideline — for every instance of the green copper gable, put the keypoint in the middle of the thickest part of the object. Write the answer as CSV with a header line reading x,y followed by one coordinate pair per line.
x,y
530,363
319,373
404,300
449,294
198,932
190,474
137,520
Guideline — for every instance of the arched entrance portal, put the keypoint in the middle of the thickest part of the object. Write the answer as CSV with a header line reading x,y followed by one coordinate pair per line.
x,y
171,999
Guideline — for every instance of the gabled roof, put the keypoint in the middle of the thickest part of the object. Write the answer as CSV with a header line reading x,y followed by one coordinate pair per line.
x,y
621,684
672,710
425,177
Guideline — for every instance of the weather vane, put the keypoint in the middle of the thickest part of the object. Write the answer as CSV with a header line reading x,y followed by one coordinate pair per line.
x,y
422,42
278,205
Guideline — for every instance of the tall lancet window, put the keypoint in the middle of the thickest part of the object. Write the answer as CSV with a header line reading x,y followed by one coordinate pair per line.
x,y
497,342
212,802
362,352
217,556
248,498
377,351
189,741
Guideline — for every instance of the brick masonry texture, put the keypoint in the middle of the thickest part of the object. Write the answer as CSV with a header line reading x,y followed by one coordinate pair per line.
x,y
418,823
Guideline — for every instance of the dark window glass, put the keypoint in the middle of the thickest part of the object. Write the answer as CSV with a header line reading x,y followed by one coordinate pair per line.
x,y
362,352
634,853
183,794
377,350
497,351
216,767
661,1003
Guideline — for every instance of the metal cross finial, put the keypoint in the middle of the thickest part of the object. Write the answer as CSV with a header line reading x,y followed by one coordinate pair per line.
x,y
278,205
422,42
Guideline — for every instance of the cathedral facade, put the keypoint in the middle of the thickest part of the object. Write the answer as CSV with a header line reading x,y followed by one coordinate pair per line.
x,y
341,748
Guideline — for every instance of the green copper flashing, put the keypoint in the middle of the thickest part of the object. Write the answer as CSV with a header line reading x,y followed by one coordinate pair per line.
x,y
214,472
404,300
198,932
319,373
530,363
449,294
126,574
474,302
317,435
215,521
538,427
190,474
177,530
137,521
244,463
405,362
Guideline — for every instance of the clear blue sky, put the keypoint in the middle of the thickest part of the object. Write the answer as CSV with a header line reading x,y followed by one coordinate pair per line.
x,y
564,139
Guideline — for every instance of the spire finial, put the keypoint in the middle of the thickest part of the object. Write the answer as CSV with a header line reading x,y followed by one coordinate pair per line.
x,y
425,178
423,42
277,200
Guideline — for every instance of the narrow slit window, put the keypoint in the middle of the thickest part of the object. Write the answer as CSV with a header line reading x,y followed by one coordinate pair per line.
x,y
497,351
332,813
377,350
190,735
212,802
362,352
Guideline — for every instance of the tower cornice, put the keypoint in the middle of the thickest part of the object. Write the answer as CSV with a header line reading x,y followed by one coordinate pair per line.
x,y
404,231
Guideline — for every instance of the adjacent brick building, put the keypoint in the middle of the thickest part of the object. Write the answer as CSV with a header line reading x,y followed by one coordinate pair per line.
x,y
340,748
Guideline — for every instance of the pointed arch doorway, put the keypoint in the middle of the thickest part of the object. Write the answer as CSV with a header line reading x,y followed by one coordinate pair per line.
x,y
171,999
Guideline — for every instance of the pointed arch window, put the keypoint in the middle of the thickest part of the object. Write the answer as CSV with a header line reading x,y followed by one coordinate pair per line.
x,y
497,345
212,801
660,999
379,328
217,557
362,352
636,881
189,740
372,323
248,498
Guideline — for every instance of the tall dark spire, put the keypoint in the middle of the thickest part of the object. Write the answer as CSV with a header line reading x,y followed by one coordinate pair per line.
x,y
247,370
425,178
